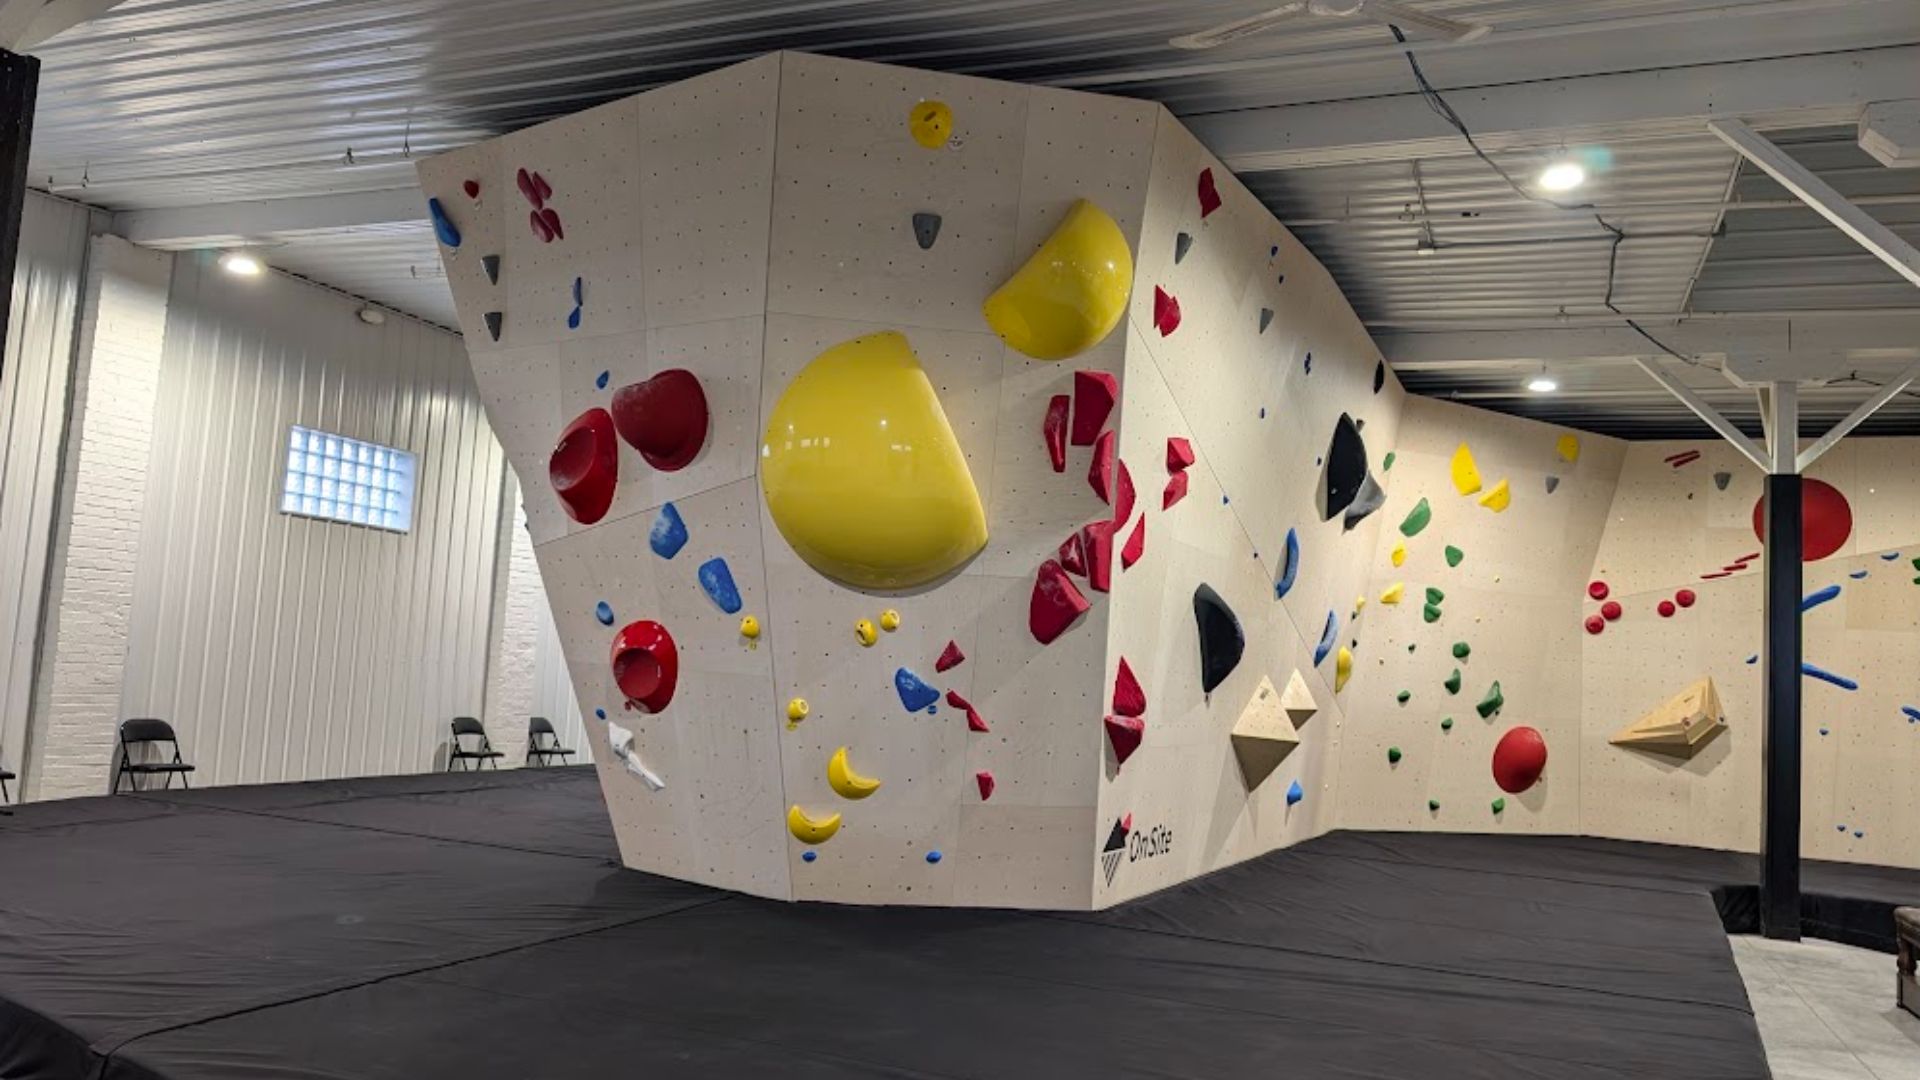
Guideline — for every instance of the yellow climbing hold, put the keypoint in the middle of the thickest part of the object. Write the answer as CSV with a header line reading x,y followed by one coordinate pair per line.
x,y
749,628
889,620
931,123
862,473
1342,668
1399,554
1358,603
845,782
797,710
1070,293
1393,592
1569,448
1497,499
808,830
863,632
1466,475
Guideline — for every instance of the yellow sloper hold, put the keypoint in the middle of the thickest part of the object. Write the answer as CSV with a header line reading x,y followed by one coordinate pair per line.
x,y
931,124
1342,668
862,473
1497,499
845,782
1466,475
1399,554
1071,293
808,830
1569,448
1393,592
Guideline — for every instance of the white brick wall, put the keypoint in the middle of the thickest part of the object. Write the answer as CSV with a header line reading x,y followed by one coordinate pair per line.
x,y
96,539
512,667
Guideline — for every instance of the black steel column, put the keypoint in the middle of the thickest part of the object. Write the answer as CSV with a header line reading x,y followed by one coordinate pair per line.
x,y
1780,715
19,82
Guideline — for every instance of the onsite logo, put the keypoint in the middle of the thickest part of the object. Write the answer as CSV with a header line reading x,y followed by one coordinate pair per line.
x,y
1116,848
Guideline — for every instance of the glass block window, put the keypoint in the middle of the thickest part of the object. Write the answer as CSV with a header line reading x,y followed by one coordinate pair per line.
x,y
340,479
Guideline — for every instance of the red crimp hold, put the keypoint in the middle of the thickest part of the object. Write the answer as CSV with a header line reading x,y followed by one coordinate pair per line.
x,y
985,780
1122,493
1128,698
1125,733
1166,311
1135,546
1179,454
1094,393
1209,195
974,722
1054,430
1100,471
1073,554
1055,604
1176,490
1098,538
950,657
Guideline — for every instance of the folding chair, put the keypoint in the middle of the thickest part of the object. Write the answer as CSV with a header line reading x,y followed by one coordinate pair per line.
x,y
143,731
547,751
5,776
483,755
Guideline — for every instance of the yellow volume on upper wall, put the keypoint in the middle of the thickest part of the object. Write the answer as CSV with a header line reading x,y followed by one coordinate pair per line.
x,y
862,473
1071,293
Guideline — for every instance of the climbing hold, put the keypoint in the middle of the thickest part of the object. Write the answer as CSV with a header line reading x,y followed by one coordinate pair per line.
x,y
1073,554
1722,479
862,473
1499,806
1430,613
492,319
1466,475
1070,293
1289,566
974,722
1568,448
1595,624
646,665
491,264
1611,610
915,694
1518,759
1055,604
601,713
1176,490
1891,556
926,229
1179,453
669,532
1912,714
573,317
1266,319
1295,793
1345,469
1452,682
585,466
1128,698
1824,675
950,657
1858,575
1684,457
1446,723
1597,590
1435,596
664,417
1433,805
1394,755
1054,430
534,187
749,628
1680,725
1122,493
1263,735
1454,555
1100,470
1209,195
864,633
1097,538
1379,375
808,830
620,741
1369,498
985,780
1297,700
889,620
930,123
1416,519
1665,608
1461,650
1221,641
604,612
550,229
1492,703
1398,555
717,580
1181,243
1342,668
1308,364
443,226
1753,658
1498,498
1136,544
1386,463
1553,482
1166,311
1826,519
809,856
1815,599
1328,635
844,781
1393,593
1403,696
1124,734
471,187
600,380
1094,393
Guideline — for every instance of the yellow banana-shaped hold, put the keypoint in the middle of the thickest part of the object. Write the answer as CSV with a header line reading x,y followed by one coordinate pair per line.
x,y
1342,668
847,783
807,830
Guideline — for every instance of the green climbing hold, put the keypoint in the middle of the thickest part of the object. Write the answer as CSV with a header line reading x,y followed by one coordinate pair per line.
x,y
1453,682
1916,564
1435,596
1492,702
1461,650
1387,462
1430,613
1446,724
1393,755
1433,804
1417,519
1454,555
1402,696
1499,806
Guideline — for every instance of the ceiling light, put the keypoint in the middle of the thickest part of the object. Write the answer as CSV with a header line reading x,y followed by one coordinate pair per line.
x,y
1425,247
1563,176
1542,384
242,264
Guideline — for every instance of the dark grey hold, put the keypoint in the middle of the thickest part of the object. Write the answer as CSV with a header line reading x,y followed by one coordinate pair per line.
x,y
1552,482
1369,499
1181,244
1221,640
1266,318
493,324
1721,480
926,229
1379,375
491,264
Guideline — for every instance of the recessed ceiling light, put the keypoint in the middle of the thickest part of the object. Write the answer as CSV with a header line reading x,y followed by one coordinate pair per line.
x,y
1563,176
1542,384
241,263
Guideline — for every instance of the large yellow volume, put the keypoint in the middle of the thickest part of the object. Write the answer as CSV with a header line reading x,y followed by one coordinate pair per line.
x,y
1070,293
862,473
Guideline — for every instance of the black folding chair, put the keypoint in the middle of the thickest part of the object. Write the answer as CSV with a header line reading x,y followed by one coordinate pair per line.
x,y
144,731
5,776
483,755
538,726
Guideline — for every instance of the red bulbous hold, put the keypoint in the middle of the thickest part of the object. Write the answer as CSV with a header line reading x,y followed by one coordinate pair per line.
x,y
585,466
1518,759
665,418
646,664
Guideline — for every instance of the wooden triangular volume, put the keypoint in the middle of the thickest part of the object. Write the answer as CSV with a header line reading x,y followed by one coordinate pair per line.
x,y
1680,725
1263,736
1297,701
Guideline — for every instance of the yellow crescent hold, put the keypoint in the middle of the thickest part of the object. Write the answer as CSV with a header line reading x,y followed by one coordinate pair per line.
x,y
847,783
807,830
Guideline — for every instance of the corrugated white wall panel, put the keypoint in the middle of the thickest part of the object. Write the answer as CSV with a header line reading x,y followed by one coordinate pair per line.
x,y
282,647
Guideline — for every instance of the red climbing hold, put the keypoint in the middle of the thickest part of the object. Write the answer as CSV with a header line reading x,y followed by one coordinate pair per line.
x,y
646,664
1826,520
551,219
585,466
1179,453
539,226
1056,602
1717,574
1136,544
665,418
1125,733
524,180
1209,195
1684,457
472,188
1176,490
1595,624
1098,538
541,189
1684,598
1128,698
1597,590
974,722
1100,471
1054,430
1094,393
985,780
950,657
1518,759
1666,609
1166,311
1073,554
1122,494
1611,609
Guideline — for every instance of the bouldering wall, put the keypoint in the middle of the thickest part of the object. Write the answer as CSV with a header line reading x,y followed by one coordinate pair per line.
x,y
1472,628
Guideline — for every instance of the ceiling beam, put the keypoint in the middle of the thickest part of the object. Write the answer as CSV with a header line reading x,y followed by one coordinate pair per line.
x,y
229,224
1841,337
1829,88
26,24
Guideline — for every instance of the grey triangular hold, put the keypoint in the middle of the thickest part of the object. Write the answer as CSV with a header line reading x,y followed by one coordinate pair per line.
x,y
491,264
1266,318
1552,482
1722,479
493,324
1369,499
1181,243
926,229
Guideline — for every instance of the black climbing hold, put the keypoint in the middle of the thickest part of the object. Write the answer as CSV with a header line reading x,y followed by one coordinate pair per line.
x,y
1379,375
1309,363
493,324
1721,480
491,264
1182,243
926,229
1266,318
1552,482
1344,477
1221,641
1369,499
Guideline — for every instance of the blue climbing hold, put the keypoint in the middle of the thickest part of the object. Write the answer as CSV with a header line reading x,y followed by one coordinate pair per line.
x,y
809,856
1327,638
669,533
1295,793
933,856
1840,828
1859,834
1754,659
442,224
1823,732
915,694
1290,569
604,612
1824,675
1890,556
577,294
1814,600
1913,714
601,713
717,580
600,380
1223,500
1858,575
1273,251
